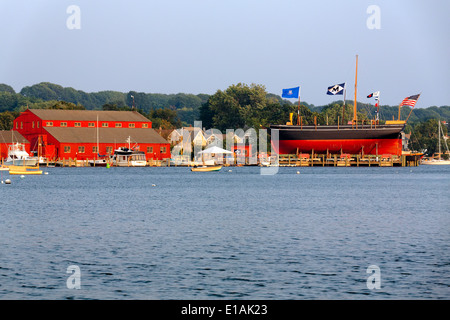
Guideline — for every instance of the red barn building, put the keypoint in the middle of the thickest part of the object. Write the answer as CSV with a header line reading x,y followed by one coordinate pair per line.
x,y
7,138
84,134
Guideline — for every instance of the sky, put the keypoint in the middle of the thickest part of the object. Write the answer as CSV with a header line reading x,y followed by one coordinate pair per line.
x,y
201,46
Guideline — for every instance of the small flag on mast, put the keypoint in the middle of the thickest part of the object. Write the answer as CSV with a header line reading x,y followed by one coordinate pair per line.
x,y
336,89
291,92
410,101
374,94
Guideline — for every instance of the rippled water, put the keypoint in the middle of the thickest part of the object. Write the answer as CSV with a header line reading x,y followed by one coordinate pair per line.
x,y
226,235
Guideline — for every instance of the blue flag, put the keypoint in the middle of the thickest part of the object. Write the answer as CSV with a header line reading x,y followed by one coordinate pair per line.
x,y
291,93
336,89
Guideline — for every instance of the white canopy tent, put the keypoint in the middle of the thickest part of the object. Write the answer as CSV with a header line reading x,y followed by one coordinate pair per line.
x,y
214,155
215,149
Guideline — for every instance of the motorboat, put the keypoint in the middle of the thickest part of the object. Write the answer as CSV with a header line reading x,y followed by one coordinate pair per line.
x,y
125,157
17,156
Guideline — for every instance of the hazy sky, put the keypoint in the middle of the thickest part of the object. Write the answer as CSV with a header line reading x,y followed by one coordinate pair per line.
x,y
201,46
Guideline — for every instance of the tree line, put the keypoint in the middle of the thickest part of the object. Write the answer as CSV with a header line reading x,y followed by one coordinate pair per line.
x,y
187,106
239,106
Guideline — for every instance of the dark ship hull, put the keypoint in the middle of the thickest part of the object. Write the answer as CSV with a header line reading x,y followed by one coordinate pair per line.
x,y
367,139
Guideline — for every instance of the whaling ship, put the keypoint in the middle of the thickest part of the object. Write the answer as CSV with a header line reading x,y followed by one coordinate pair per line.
x,y
368,138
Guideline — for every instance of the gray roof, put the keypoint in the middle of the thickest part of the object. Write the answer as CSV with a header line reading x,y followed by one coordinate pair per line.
x,y
105,135
89,115
8,137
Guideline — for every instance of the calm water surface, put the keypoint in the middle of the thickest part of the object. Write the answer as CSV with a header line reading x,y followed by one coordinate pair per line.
x,y
226,235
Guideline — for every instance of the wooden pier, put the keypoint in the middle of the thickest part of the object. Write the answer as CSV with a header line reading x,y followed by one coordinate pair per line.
x,y
347,160
69,162
284,160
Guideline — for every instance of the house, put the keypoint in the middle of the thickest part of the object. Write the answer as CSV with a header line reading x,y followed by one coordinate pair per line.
x,y
8,138
215,138
87,134
196,136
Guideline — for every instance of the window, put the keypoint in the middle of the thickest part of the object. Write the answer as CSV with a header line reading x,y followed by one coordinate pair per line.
x,y
81,149
32,125
94,149
21,125
17,125
38,124
131,125
63,124
163,149
49,124
66,149
145,125
105,124
149,149
91,124
118,125
109,150
77,124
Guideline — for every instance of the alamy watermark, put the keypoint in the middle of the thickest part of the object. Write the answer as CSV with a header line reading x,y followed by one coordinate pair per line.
x,y
73,22
74,280
374,280
373,22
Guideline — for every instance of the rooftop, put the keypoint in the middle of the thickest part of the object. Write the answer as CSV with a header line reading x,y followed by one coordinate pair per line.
x,y
11,136
89,115
105,135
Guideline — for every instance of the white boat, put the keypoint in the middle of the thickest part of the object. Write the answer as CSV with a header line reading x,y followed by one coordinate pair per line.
x,y
17,156
102,161
438,161
435,162
124,157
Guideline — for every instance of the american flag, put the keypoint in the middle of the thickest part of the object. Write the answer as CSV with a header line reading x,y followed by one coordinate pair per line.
x,y
410,101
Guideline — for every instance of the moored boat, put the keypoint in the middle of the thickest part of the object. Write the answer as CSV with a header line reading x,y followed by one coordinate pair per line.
x,y
206,168
101,162
435,162
17,156
125,157
25,170
439,161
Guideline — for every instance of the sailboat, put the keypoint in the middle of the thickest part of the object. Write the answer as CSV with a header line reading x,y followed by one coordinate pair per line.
x,y
438,161
102,160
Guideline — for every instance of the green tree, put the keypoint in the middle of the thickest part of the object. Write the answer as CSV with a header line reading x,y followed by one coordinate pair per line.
x,y
6,88
7,119
425,136
8,101
164,118
239,106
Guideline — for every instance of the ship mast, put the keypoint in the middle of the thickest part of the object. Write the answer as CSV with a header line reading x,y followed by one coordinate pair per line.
x,y
355,117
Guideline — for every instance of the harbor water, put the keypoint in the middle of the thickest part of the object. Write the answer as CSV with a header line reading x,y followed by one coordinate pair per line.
x,y
169,233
